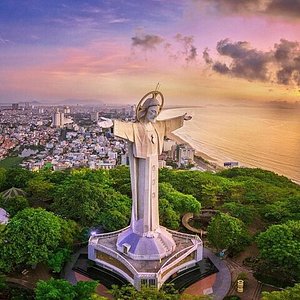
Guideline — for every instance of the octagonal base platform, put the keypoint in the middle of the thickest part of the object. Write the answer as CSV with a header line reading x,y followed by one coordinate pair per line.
x,y
103,251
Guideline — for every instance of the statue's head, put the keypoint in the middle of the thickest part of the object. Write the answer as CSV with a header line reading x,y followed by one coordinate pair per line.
x,y
149,110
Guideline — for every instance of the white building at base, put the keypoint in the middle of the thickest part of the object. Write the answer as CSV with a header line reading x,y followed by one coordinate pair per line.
x,y
104,252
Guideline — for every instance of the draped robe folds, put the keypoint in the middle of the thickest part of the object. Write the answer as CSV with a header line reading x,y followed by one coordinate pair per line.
x,y
145,144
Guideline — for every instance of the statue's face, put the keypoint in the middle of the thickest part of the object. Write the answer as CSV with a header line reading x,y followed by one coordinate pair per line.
x,y
152,114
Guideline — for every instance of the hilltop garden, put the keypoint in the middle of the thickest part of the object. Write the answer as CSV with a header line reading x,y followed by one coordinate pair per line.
x,y
58,211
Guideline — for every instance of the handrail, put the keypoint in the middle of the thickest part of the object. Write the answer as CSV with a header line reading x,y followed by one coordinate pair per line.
x,y
107,234
185,235
176,255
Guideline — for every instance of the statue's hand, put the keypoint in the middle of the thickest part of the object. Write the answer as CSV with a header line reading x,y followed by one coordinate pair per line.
x,y
106,123
186,117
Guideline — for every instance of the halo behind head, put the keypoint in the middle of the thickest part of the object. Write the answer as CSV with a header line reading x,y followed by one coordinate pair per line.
x,y
146,102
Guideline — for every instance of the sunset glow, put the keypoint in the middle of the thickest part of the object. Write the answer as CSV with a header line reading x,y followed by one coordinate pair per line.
x,y
114,51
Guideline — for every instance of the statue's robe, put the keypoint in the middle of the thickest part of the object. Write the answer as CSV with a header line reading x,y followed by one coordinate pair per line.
x,y
145,144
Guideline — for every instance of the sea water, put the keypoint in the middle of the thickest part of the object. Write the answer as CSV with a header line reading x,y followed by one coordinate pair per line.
x,y
266,137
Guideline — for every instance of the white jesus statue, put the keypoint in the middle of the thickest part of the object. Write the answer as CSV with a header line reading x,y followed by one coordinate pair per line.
x,y
145,239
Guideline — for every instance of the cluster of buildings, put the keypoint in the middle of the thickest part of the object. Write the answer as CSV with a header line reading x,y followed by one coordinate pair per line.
x,y
69,137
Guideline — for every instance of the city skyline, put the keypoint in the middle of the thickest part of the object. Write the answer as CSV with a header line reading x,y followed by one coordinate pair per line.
x,y
115,51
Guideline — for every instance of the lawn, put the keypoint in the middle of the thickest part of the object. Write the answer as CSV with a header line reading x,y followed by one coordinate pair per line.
x,y
10,162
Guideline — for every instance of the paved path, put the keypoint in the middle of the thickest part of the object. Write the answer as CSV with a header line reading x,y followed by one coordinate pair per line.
x,y
223,280
185,221
68,273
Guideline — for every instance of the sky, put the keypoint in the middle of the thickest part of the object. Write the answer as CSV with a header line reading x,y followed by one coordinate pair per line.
x,y
115,51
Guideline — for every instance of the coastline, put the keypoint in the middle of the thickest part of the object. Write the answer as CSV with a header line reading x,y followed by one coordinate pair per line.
x,y
233,150
204,161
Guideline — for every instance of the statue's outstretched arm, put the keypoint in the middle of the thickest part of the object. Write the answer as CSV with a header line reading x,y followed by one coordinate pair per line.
x,y
105,123
186,117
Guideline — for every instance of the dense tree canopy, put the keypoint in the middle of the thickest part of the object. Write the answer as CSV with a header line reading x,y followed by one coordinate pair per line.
x,y
29,237
290,293
60,289
2,178
39,189
240,211
101,198
180,202
280,245
54,289
78,199
226,232
17,177
14,204
32,236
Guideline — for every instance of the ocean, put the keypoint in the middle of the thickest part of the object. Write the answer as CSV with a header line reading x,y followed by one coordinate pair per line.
x,y
266,137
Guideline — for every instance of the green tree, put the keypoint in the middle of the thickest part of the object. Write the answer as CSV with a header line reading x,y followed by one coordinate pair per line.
x,y
120,178
85,290
2,282
78,199
57,259
263,175
70,231
29,238
17,177
204,186
54,289
115,210
180,202
2,178
227,232
96,176
14,204
240,211
146,293
167,215
280,245
60,289
275,212
290,293
40,189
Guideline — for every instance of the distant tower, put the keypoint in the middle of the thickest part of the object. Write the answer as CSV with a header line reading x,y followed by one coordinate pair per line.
x,y
56,118
94,116
62,119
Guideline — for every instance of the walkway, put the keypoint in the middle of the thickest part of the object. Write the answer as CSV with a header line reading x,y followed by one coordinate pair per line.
x,y
223,277
185,221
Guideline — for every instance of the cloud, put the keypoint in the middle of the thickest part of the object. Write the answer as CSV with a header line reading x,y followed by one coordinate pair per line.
x,y
280,65
287,56
282,8
246,62
180,48
206,56
147,42
3,41
120,20
189,49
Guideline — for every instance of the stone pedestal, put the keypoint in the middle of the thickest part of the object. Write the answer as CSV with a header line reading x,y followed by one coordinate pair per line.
x,y
147,270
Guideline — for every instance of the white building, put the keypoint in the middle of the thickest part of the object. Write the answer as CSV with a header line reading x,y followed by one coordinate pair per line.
x,y
56,118
185,154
